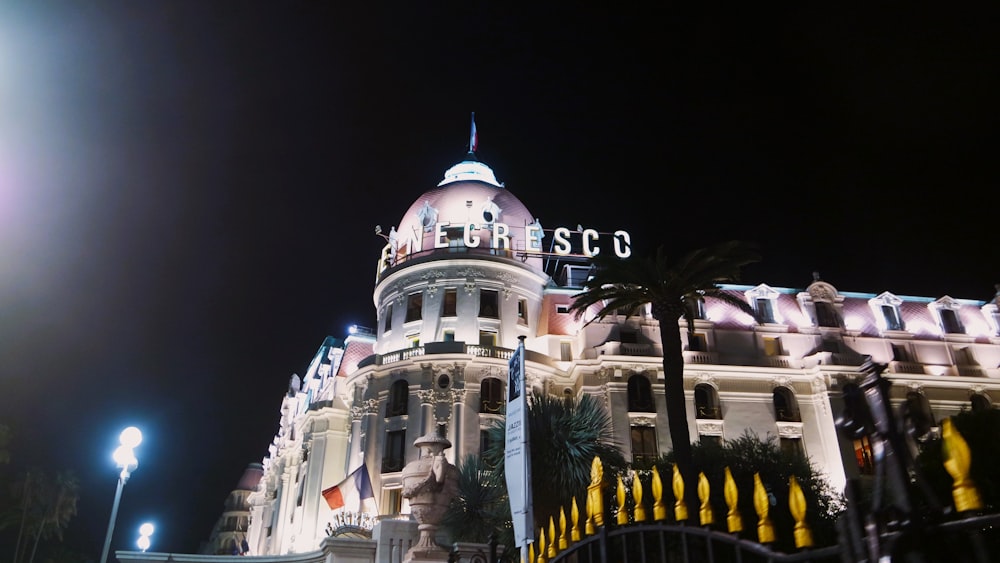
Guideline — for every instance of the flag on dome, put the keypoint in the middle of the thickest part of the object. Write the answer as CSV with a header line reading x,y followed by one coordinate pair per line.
x,y
353,493
473,135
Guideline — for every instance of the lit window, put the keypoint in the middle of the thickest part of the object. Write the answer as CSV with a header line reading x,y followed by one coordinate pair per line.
x,y
487,338
489,304
392,501
706,401
414,307
772,346
450,305
864,456
491,396
565,350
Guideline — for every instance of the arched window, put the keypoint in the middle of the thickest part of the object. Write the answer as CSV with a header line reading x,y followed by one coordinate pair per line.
x,y
706,402
640,394
491,396
399,395
786,408
980,402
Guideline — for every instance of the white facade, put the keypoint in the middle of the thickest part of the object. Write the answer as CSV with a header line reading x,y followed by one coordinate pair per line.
x,y
452,301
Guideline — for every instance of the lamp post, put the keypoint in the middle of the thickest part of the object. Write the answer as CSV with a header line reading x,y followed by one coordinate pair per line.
x,y
124,457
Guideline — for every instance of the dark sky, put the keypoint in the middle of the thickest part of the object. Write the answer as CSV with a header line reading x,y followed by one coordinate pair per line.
x,y
188,190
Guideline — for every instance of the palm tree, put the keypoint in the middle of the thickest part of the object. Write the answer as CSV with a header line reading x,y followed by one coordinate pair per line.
x,y
673,290
564,436
48,503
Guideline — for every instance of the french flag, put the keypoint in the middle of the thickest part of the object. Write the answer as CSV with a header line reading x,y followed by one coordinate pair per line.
x,y
353,493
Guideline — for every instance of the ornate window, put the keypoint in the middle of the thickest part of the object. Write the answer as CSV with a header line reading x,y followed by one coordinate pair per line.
x,y
394,453
706,402
388,317
644,449
886,310
764,301
640,394
945,310
491,396
449,306
399,394
786,408
489,304
414,307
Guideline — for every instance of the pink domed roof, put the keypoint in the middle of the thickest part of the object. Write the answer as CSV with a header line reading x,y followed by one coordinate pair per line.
x,y
469,194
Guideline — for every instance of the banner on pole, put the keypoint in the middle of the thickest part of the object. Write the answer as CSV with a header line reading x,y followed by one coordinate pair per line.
x,y
517,457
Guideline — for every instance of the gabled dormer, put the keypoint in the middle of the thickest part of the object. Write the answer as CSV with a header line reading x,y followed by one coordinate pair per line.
x,y
764,300
885,308
945,312
823,304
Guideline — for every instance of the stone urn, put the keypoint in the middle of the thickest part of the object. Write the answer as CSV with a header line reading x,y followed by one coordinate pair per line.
x,y
429,483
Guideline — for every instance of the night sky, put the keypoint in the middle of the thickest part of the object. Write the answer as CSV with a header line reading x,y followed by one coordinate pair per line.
x,y
188,190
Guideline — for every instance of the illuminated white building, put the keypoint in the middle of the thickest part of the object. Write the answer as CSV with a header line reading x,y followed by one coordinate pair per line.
x,y
469,270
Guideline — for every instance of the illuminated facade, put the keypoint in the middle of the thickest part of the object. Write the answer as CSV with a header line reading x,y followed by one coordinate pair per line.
x,y
468,270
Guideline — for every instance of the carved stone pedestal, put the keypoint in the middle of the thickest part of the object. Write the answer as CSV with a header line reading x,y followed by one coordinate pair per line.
x,y
429,483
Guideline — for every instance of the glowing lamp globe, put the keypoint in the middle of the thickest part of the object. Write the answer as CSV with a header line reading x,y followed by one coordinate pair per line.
x,y
130,437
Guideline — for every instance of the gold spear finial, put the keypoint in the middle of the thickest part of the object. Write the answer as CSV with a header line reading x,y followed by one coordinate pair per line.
x,y
575,515
659,508
563,535
680,507
733,518
531,553
762,505
542,558
958,461
797,506
640,509
620,497
595,502
552,539
704,490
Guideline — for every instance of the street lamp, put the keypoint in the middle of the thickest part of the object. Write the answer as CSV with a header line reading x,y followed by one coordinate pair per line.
x,y
124,457
145,531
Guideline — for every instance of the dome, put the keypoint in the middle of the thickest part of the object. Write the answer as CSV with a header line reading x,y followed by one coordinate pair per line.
x,y
468,210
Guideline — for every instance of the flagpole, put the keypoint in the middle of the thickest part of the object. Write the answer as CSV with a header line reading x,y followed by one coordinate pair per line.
x,y
472,134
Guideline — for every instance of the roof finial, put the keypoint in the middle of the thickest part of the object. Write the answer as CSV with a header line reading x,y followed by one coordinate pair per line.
x,y
473,136
815,276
